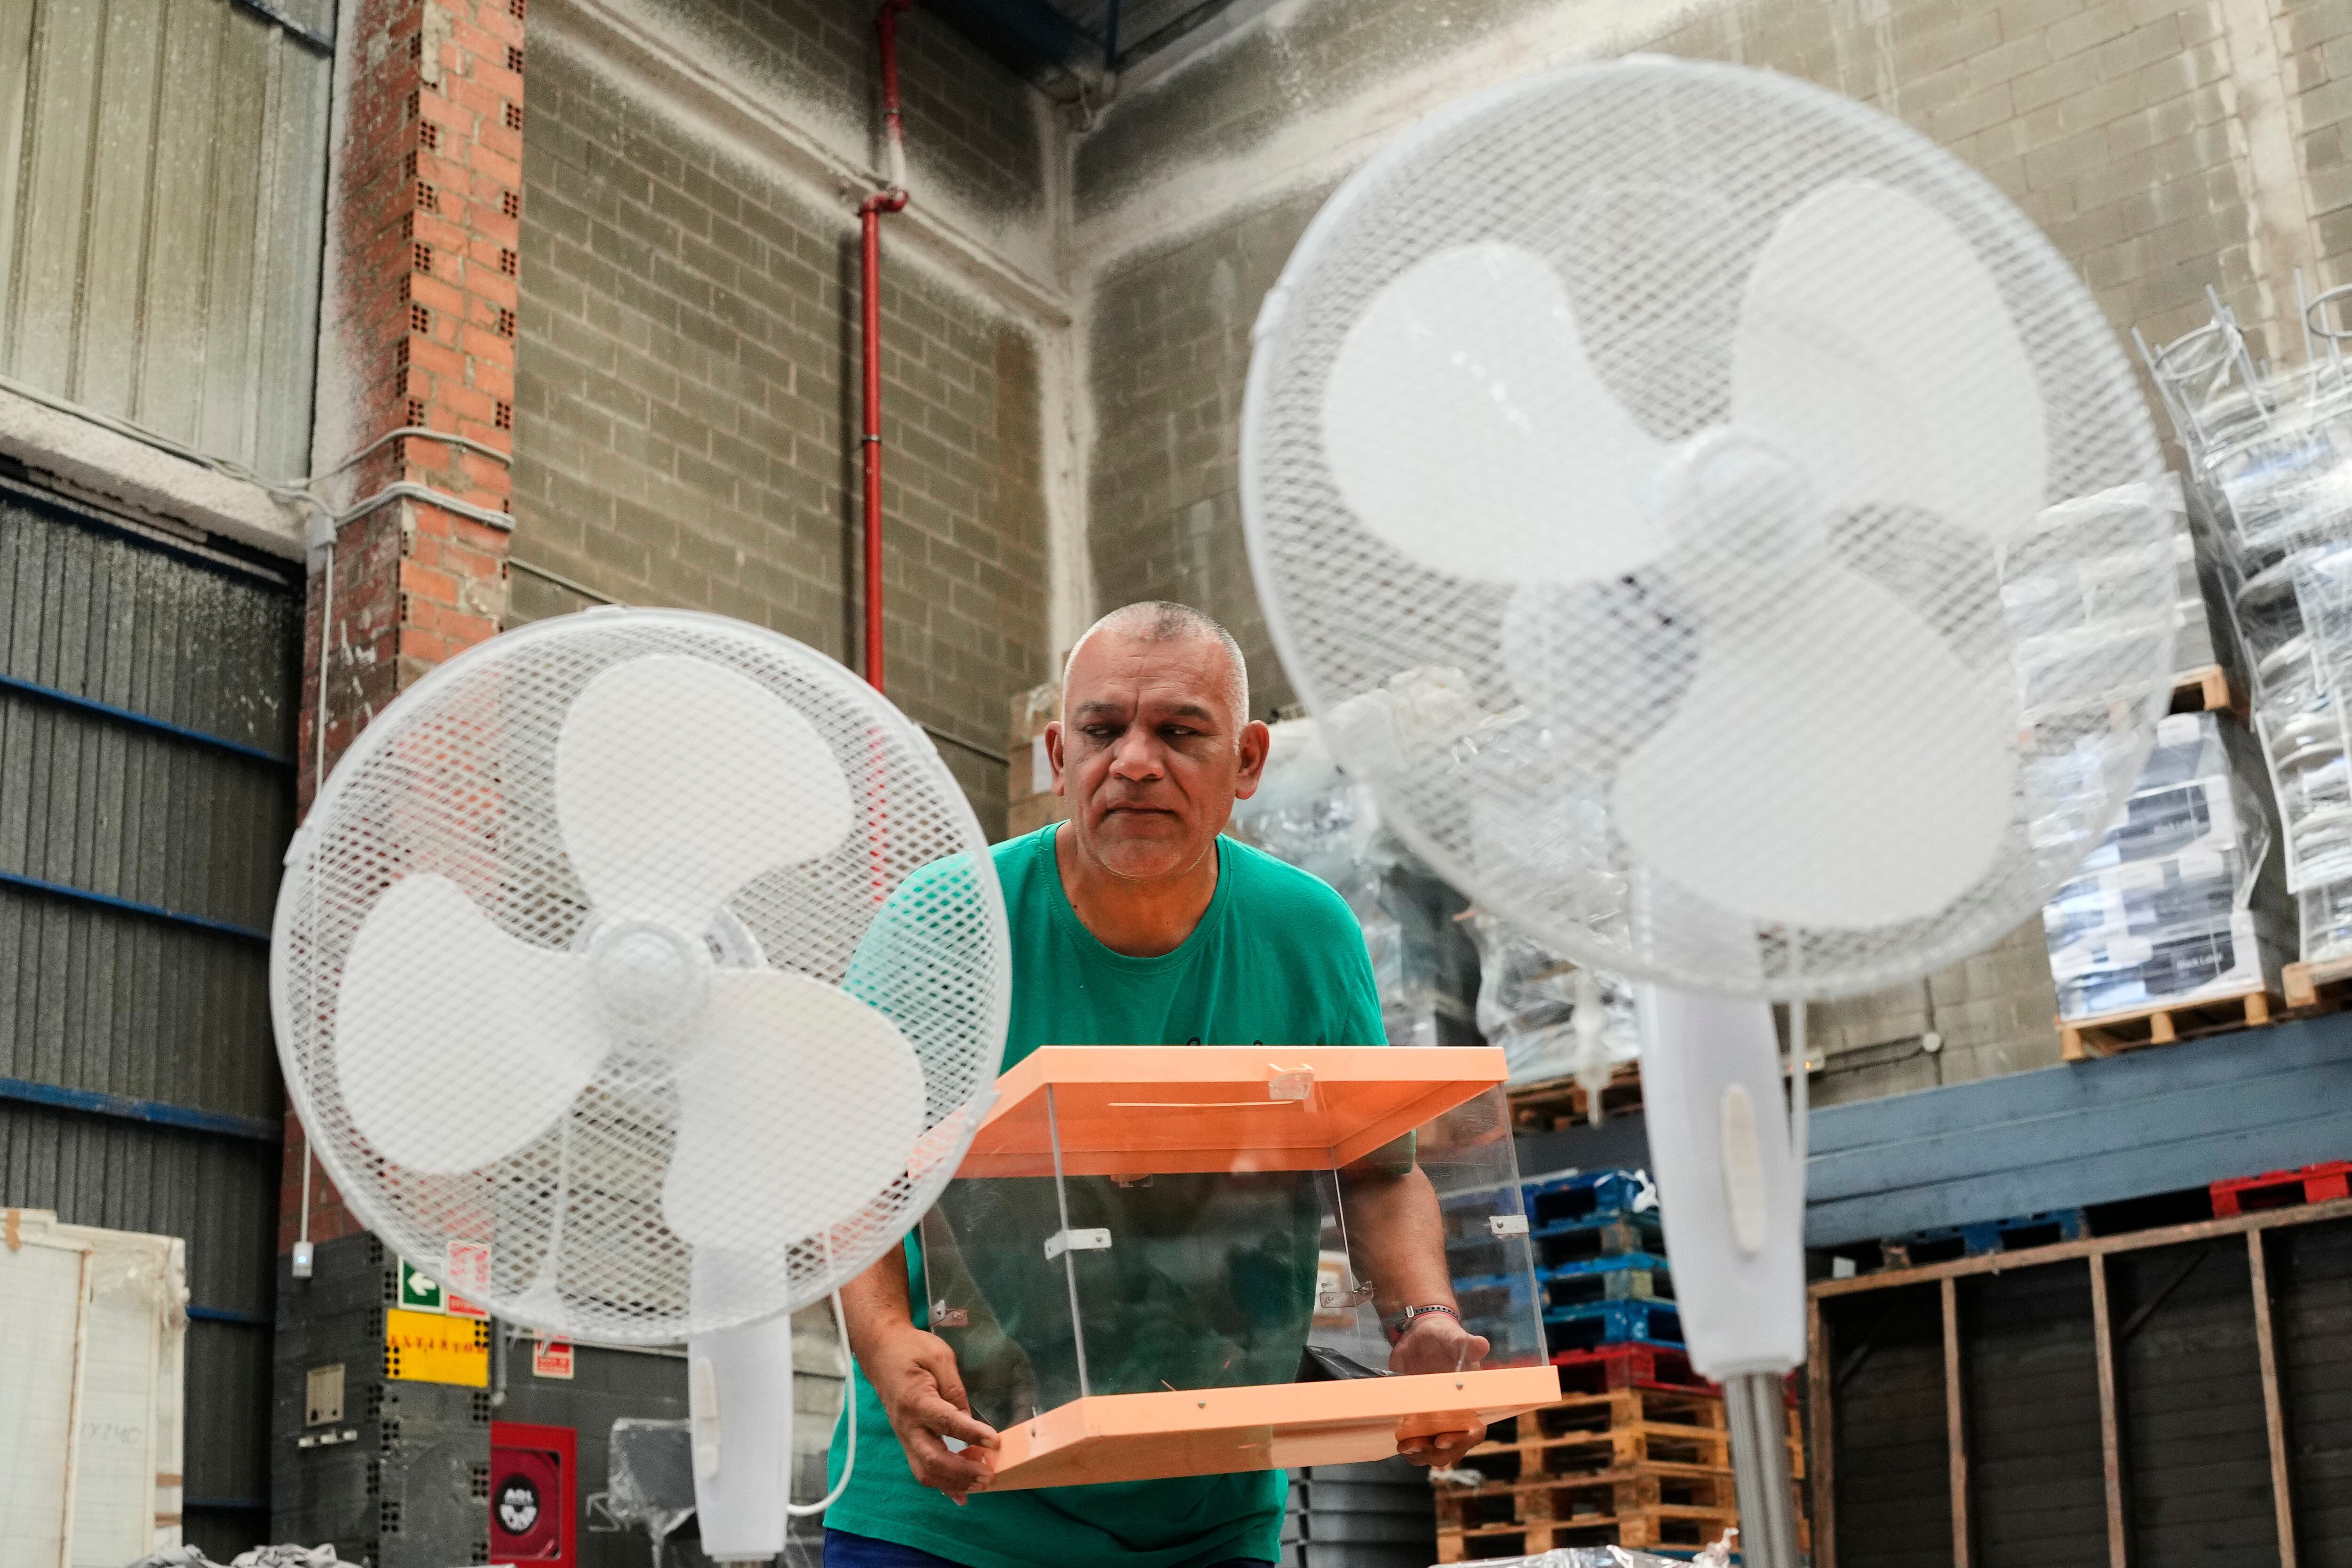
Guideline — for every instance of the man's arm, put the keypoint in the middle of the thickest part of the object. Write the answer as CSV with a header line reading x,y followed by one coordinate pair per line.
x,y
915,1375
1399,1238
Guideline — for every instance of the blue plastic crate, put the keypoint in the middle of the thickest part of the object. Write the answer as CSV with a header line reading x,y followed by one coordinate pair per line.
x,y
1611,1323
1580,1195
1584,1240
1628,1276
1940,1243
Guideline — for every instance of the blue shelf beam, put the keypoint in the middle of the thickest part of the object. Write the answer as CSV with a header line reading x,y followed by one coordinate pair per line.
x,y
138,720
156,1112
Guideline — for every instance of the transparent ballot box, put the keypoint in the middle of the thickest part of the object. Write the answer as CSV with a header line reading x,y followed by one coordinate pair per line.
x,y
1175,1260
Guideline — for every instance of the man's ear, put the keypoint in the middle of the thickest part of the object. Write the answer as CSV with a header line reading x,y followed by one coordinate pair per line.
x,y
1256,741
1054,751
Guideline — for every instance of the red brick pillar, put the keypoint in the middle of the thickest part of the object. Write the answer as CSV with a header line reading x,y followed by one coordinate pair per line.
x,y
420,304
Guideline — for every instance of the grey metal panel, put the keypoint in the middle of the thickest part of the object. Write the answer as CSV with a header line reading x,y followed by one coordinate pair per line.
x,y
2099,1131
163,178
106,618
124,1006
219,1195
98,998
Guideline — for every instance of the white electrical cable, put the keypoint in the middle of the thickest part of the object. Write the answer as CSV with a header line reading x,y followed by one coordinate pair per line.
x,y
848,1414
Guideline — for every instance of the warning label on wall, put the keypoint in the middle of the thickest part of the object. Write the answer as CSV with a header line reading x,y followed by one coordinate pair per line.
x,y
431,1347
552,1358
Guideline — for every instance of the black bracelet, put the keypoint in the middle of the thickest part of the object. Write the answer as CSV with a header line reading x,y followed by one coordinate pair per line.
x,y
1404,1320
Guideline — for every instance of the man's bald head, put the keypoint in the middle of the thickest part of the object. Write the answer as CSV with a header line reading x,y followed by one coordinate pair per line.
x,y
1165,621
1155,742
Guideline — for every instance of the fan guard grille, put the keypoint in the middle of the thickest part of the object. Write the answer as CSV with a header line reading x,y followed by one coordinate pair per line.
x,y
458,779
1651,186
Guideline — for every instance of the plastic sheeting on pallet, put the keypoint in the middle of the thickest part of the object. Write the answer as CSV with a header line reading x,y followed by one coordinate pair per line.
x,y
2166,910
2270,493
1309,813
90,1393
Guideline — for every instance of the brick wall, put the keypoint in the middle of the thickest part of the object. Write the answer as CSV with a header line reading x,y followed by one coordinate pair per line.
x,y
2315,59
688,415
420,303
2162,147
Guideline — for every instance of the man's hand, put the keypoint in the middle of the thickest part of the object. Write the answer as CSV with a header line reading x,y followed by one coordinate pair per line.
x,y
915,1375
1436,1342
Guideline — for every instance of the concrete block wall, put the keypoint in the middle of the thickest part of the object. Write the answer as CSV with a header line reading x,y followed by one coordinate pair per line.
x,y
1169,343
687,396
2162,146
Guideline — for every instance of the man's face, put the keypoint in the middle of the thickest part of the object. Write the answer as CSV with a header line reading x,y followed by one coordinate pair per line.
x,y
1147,752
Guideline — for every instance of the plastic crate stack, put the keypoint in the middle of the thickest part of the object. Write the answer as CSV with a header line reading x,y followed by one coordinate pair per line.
x,y
1636,1453
1359,1516
2165,912
2270,491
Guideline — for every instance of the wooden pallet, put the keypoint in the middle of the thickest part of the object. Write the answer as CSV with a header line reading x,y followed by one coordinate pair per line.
x,y
2108,1034
2325,986
2200,691
1593,1434
1561,1102
1637,1464
1621,1493
1687,1528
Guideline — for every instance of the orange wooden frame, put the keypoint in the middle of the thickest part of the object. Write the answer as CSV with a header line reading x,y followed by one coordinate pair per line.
x,y
1163,1110
1216,1431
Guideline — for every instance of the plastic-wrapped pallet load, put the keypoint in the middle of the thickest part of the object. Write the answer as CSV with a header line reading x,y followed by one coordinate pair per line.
x,y
2270,492
1552,1018
2166,911
1310,814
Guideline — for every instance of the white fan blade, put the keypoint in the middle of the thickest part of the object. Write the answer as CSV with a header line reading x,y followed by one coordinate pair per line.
x,y
1873,348
679,780
801,1108
456,1044
1464,426
1796,785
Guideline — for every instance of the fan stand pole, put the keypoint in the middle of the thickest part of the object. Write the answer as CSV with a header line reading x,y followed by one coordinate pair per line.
x,y
1732,1195
739,1400
1759,1464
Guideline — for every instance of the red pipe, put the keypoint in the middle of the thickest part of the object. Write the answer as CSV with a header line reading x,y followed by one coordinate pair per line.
x,y
891,199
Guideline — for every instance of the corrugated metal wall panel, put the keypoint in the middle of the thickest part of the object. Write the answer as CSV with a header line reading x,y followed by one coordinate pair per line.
x,y
163,181
208,649
96,997
113,1003
218,1194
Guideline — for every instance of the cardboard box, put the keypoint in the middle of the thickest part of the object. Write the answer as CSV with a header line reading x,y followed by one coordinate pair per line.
x,y
1030,800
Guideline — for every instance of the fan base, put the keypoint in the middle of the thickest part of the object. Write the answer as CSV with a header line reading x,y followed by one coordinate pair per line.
x,y
1266,1426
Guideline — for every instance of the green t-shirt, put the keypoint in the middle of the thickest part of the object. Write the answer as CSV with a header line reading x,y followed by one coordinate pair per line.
x,y
1278,958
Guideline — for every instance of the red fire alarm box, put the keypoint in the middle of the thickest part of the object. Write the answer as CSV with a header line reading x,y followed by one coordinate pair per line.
x,y
531,1506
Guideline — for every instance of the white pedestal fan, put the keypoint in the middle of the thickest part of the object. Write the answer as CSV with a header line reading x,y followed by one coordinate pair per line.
x,y
577,980
1635,462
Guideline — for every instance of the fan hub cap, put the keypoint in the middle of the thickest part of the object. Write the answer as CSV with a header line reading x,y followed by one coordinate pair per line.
x,y
650,976
1743,505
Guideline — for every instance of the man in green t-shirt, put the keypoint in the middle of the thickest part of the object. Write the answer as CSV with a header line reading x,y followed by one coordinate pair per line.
x,y
1138,922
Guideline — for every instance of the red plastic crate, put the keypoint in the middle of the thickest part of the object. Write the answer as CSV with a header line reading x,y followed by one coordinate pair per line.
x,y
1640,1365
2283,1189
1625,1366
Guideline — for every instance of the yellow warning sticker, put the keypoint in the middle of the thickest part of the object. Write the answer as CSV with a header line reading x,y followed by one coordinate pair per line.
x,y
428,1347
